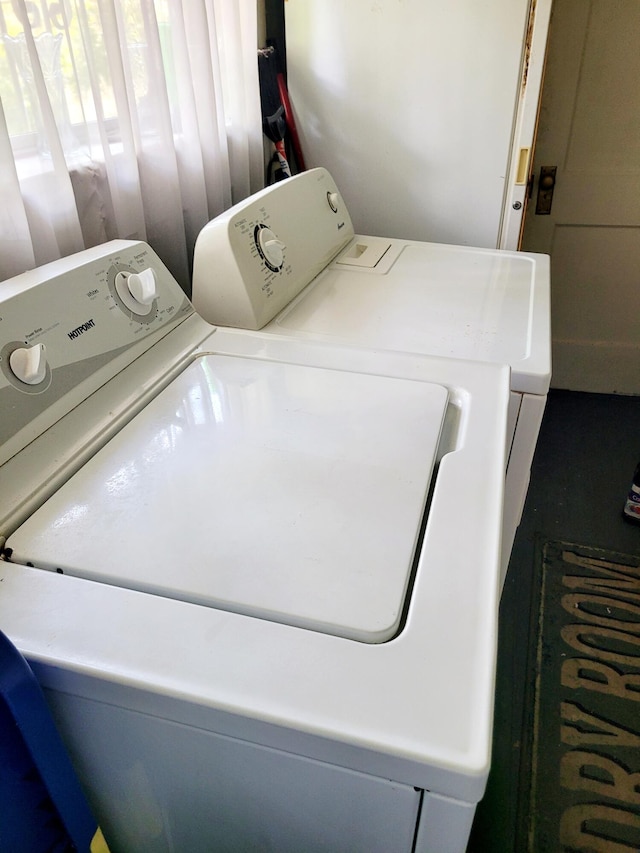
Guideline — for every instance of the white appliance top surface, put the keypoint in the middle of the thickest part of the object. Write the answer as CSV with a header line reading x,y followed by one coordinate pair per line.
x,y
282,491
440,300
418,708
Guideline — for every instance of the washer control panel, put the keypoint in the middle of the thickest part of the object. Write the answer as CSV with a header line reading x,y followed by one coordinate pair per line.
x,y
69,326
252,260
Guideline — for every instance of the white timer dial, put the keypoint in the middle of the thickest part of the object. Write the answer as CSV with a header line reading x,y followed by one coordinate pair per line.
x,y
271,248
138,290
29,364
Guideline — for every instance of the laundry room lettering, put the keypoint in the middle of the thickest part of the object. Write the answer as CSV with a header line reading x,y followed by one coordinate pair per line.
x,y
599,721
604,610
609,575
583,827
590,771
601,642
579,727
601,677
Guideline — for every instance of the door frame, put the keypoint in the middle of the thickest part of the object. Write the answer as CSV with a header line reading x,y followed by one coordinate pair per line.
x,y
525,124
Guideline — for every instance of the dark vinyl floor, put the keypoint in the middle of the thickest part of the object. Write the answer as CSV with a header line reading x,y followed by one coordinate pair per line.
x,y
587,451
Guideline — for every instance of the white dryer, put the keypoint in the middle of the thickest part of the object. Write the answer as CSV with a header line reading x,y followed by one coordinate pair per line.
x,y
235,563
294,242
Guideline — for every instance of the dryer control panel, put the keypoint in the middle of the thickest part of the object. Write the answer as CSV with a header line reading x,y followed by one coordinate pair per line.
x,y
252,260
69,326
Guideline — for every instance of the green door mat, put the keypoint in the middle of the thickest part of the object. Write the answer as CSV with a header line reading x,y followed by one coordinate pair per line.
x,y
585,726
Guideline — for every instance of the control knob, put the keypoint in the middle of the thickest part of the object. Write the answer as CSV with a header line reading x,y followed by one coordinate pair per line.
x,y
138,290
332,200
29,364
270,247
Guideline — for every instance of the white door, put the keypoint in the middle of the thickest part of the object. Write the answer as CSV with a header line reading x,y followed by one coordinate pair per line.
x,y
589,129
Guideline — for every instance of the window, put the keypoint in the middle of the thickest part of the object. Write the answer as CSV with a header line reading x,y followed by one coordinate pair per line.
x,y
124,118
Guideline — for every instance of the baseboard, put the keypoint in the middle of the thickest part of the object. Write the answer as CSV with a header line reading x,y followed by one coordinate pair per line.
x,y
600,367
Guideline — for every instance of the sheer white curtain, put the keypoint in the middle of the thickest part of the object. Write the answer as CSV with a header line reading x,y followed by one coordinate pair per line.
x,y
137,119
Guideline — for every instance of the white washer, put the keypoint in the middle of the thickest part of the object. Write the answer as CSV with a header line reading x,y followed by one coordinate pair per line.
x,y
295,243
235,563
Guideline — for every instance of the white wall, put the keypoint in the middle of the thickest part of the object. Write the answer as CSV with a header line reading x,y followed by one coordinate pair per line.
x,y
410,106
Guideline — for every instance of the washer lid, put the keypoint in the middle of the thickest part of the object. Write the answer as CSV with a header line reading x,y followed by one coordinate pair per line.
x,y
287,492
430,298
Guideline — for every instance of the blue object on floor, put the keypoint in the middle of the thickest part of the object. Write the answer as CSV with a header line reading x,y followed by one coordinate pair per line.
x,y
42,807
